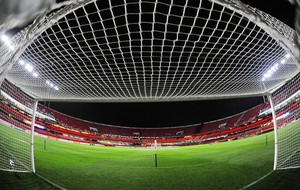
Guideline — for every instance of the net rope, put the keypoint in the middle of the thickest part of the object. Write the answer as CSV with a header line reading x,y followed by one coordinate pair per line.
x,y
139,50
14,140
287,100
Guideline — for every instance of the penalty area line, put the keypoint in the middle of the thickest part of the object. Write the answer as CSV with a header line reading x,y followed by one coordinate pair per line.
x,y
254,182
50,182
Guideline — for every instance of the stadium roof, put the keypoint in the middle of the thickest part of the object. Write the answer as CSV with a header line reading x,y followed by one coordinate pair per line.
x,y
150,50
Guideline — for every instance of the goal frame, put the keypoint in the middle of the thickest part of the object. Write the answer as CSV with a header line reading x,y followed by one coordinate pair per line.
x,y
275,131
35,104
46,20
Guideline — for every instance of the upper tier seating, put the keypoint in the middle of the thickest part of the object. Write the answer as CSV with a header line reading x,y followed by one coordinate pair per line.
x,y
250,114
213,126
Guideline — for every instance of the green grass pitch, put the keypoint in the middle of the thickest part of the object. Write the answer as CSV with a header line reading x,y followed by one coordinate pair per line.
x,y
228,165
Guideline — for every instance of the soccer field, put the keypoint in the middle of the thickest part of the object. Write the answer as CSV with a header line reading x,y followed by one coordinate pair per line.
x,y
228,165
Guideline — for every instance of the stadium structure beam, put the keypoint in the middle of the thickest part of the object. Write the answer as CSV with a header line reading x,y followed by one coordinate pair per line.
x,y
32,135
167,99
275,131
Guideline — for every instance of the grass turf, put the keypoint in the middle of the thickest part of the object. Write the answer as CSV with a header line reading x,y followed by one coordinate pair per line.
x,y
229,165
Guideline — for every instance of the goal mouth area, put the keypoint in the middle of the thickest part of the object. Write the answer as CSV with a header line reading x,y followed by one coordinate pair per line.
x,y
103,51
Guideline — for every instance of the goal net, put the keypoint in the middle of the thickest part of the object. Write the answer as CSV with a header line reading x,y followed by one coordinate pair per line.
x,y
149,51
15,132
287,107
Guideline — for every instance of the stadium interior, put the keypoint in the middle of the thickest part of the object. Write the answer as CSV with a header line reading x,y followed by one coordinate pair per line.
x,y
16,108
148,51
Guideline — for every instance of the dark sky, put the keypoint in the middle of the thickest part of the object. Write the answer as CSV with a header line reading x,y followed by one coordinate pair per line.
x,y
174,113
156,114
281,9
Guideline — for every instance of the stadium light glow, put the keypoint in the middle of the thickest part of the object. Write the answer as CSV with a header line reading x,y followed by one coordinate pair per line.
x,y
6,40
28,67
49,83
275,67
22,62
35,74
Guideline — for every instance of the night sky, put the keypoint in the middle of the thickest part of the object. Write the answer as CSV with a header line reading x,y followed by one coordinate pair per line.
x,y
173,113
156,114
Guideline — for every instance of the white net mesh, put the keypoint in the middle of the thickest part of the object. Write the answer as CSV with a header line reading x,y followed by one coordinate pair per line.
x,y
14,139
287,105
151,50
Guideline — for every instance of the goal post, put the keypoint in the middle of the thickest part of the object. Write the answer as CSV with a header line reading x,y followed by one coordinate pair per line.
x,y
14,148
32,136
275,131
285,107
16,134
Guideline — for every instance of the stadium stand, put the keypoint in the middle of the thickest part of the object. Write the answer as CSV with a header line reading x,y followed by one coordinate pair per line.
x,y
214,126
245,124
249,115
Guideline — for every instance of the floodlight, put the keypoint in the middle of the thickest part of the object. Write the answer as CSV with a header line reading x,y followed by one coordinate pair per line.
x,y
270,72
28,67
21,62
35,74
267,75
6,40
273,69
283,61
10,47
56,88
287,56
47,82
